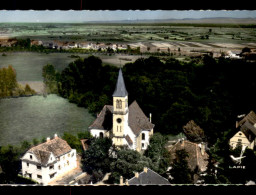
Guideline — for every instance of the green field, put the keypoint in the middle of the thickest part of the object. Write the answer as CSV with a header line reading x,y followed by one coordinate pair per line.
x,y
122,33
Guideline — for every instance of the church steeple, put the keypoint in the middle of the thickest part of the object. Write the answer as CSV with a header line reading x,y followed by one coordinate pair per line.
x,y
120,90
120,111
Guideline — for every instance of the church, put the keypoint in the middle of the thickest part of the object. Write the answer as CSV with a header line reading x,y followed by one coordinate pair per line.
x,y
125,125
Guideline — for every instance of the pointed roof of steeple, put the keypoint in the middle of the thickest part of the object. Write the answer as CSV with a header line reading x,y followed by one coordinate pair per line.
x,y
120,90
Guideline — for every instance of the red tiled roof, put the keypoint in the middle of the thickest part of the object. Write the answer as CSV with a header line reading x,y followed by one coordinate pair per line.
x,y
195,158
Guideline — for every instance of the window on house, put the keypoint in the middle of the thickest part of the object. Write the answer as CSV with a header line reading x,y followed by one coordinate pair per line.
x,y
117,128
72,154
51,167
38,167
143,136
69,155
67,162
59,167
101,135
120,129
51,175
27,164
31,157
142,145
239,140
39,176
30,175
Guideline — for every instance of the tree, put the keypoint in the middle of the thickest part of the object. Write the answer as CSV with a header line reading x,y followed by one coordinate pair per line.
x,y
9,161
73,141
193,132
180,170
50,78
98,156
126,163
246,49
158,154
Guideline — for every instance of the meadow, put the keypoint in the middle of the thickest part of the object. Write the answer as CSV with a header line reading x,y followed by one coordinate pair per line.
x,y
125,33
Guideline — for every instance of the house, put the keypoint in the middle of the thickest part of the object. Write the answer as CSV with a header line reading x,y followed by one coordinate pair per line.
x,y
72,45
233,54
46,161
246,132
125,125
146,177
197,157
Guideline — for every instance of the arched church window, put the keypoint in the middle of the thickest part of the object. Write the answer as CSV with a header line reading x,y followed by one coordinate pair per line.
x,y
143,136
118,103
101,135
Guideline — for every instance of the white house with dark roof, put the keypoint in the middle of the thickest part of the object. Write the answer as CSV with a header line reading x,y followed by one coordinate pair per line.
x,y
126,125
246,136
46,161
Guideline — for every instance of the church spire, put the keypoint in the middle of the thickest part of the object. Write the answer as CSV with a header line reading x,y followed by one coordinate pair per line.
x,y
120,90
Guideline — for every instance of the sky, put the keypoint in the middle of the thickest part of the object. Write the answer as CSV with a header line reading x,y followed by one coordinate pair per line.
x,y
106,15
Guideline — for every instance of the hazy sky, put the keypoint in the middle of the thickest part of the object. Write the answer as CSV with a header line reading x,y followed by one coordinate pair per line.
x,y
86,15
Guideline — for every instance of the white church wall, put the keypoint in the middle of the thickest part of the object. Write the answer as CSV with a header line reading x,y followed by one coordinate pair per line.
x,y
145,142
96,132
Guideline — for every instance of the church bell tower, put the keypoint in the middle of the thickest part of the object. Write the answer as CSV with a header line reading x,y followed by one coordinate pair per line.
x,y
120,111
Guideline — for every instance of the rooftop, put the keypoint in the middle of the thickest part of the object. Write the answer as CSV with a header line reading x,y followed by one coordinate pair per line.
x,y
196,157
137,120
120,90
148,177
56,146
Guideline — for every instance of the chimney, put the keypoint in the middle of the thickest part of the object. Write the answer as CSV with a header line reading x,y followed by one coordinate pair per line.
x,y
121,181
150,117
48,139
202,148
136,174
126,182
182,143
55,135
145,169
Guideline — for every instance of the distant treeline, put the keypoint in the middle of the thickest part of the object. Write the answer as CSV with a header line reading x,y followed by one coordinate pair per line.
x,y
9,86
212,92
228,25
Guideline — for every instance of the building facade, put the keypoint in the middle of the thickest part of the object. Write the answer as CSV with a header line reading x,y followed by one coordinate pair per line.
x,y
125,125
44,162
246,134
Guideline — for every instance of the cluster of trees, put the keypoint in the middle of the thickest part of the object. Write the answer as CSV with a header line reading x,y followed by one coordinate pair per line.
x,y
7,81
9,86
102,157
212,92
175,92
